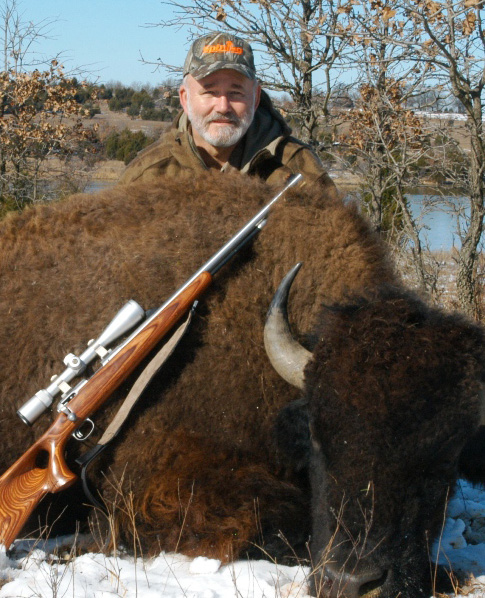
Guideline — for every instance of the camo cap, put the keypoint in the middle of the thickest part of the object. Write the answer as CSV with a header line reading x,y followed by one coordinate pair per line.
x,y
216,51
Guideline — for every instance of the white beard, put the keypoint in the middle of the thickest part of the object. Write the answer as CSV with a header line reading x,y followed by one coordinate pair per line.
x,y
225,135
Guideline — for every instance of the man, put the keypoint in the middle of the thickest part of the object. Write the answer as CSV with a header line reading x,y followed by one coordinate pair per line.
x,y
228,123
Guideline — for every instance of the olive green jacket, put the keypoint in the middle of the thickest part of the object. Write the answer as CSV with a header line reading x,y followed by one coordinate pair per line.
x,y
267,150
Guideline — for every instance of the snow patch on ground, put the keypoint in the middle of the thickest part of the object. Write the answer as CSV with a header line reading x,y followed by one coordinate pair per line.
x,y
168,575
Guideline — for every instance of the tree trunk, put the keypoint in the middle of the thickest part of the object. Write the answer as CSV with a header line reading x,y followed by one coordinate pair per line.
x,y
468,255
306,94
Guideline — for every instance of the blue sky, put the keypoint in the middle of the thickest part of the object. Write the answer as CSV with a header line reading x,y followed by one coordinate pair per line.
x,y
108,37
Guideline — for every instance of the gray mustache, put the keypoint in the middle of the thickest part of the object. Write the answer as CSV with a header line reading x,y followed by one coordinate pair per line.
x,y
234,120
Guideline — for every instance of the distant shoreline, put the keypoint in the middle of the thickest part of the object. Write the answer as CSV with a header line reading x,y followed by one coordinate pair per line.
x,y
111,170
346,180
107,170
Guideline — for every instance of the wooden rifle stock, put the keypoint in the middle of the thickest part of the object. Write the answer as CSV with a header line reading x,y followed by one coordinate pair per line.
x,y
26,482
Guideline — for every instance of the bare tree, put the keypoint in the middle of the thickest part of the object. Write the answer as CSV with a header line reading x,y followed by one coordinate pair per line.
x,y
40,119
383,136
19,37
456,49
449,45
418,44
386,140
300,51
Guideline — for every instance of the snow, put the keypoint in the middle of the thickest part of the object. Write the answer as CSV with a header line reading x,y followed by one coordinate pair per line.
x,y
168,575
31,569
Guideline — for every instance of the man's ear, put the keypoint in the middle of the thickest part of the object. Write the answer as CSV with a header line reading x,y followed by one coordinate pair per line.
x,y
183,97
258,96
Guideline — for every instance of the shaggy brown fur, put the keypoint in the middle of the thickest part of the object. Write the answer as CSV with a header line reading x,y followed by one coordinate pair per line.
x,y
391,430
198,454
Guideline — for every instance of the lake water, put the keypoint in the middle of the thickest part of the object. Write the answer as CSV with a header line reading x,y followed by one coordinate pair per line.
x,y
439,226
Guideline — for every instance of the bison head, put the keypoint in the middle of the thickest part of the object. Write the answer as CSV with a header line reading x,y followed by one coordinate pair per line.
x,y
391,393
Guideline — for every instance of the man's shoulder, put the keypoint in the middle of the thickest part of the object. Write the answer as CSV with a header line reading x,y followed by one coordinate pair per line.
x,y
297,156
291,145
293,150
153,156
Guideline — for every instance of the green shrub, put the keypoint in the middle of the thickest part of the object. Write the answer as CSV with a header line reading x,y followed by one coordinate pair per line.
x,y
125,145
133,110
153,114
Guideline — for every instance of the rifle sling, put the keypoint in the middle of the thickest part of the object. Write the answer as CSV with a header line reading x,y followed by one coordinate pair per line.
x,y
148,373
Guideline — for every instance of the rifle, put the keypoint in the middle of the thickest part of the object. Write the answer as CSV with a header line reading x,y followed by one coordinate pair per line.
x,y
29,479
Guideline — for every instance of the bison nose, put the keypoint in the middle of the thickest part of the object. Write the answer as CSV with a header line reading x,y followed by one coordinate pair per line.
x,y
338,583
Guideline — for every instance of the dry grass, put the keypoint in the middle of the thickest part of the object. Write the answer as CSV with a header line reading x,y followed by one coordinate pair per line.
x,y
443,267
66,554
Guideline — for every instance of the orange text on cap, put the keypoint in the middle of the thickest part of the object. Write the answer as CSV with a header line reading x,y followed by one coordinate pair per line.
x,y
227,47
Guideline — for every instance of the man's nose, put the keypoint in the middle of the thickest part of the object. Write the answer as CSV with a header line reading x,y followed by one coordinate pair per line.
x,y
222,104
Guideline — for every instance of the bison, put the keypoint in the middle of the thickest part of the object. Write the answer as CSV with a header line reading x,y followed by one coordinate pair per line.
x,y
349,465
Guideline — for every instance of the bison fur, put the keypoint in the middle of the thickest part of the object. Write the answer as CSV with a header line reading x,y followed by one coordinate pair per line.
x,y
217,458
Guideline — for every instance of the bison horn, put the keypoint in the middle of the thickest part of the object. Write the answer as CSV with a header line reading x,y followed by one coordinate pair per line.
x,y
287,356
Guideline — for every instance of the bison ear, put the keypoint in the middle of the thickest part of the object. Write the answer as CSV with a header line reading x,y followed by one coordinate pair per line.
x,y
292,434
